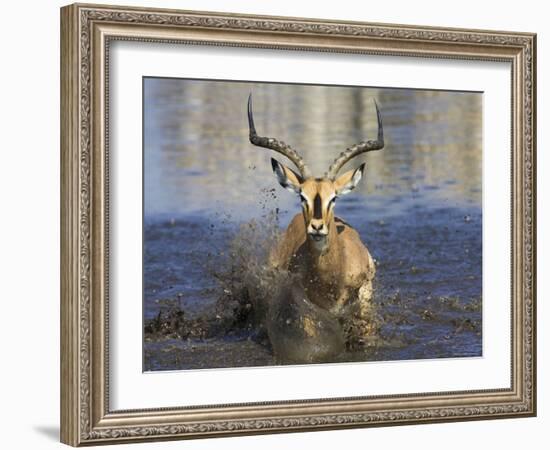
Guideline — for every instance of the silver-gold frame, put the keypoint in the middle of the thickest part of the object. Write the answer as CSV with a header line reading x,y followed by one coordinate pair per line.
x,y
86,34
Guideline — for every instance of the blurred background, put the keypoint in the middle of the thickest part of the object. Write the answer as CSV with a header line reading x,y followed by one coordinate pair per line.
x,y
196,140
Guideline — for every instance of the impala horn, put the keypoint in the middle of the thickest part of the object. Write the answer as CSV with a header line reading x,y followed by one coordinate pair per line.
x,y
274,144
357,149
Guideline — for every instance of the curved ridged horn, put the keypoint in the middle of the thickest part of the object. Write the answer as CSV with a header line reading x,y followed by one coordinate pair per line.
x,y
274,144
357,149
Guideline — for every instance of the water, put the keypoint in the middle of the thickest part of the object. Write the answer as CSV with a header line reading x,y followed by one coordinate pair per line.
x,y
418,209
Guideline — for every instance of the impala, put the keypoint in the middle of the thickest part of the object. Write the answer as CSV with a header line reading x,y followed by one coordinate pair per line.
x,y
325,253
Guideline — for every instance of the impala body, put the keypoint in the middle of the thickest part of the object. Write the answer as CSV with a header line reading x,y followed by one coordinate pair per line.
x,y
325,253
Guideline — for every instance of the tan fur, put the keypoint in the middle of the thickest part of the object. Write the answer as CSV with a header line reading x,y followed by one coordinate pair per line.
x,y
292,176
330,279
334,267
343,179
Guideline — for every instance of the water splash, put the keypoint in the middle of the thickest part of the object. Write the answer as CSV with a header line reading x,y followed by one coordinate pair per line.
x,y
247,283
414,315
271,303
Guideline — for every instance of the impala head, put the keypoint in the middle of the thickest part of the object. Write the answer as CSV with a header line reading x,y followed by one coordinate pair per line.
x,y
318,197
317,194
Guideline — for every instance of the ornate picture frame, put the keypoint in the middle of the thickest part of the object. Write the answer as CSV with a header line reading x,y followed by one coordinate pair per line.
x,y
87,31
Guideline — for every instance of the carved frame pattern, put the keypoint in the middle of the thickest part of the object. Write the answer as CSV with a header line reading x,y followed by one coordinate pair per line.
x,y
87,31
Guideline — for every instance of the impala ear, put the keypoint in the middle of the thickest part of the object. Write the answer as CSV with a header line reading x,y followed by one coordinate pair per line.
x,y
287,177
346,183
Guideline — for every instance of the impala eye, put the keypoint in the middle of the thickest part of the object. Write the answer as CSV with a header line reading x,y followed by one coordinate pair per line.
x,y
303,199
332,201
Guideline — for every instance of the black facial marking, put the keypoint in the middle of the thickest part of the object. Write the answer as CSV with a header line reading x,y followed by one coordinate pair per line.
x,y
341,221
317,209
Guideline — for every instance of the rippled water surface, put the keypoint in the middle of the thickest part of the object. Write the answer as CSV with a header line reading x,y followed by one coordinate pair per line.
x,y
418,209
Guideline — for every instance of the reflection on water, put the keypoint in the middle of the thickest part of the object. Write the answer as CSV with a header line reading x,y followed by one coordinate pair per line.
x,y
418,208
196,141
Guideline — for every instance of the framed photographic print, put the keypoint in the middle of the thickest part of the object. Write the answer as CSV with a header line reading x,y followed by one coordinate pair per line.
x,y
275,224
